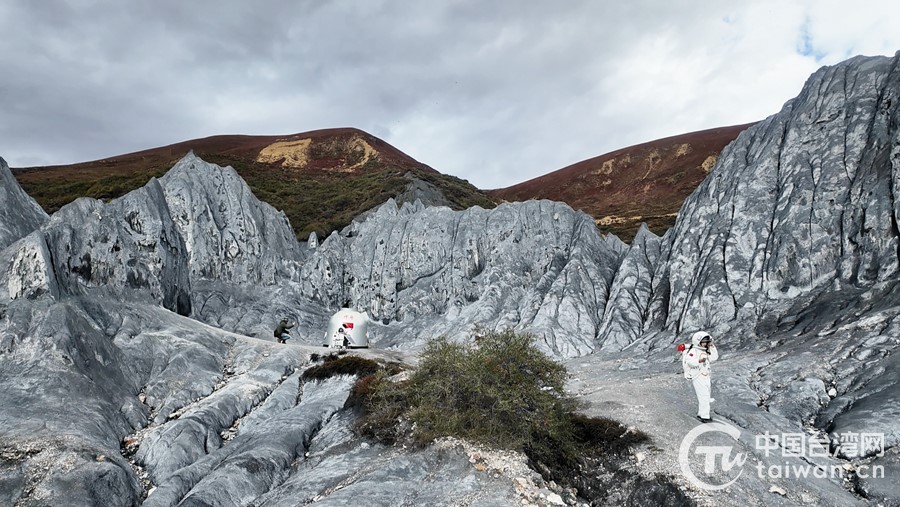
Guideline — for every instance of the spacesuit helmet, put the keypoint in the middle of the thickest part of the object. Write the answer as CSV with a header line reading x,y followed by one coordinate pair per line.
x,y
699,337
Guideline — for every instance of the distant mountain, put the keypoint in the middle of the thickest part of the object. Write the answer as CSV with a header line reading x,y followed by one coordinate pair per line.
x,y
643,183
320,179
324,178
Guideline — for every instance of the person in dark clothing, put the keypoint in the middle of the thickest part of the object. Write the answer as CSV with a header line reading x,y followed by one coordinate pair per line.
x,y
281,331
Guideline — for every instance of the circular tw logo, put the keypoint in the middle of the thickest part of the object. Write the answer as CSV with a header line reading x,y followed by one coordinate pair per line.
x,y
715,458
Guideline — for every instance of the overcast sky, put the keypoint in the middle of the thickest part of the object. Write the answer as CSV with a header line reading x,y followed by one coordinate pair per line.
x,y
496,92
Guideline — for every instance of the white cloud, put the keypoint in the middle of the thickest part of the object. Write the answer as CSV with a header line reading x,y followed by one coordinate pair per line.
x,y
494,92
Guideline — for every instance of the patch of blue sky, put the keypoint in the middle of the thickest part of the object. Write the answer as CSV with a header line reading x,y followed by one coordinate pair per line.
x,y
806,46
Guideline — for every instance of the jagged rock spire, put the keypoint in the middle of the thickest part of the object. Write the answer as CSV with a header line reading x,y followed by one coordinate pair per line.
x,y
19,213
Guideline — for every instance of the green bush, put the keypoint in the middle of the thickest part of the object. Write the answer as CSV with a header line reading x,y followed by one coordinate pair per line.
x,y
384,404
497,389
500,390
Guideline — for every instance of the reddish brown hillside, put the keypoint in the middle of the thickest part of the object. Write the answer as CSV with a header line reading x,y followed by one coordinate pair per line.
x,y
643,183
330,150
321,179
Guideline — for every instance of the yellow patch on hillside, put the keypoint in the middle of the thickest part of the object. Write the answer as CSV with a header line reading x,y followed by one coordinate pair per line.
x,y
682,150
653,159
355,149
617,220
607,167
294,153
709,163
368,151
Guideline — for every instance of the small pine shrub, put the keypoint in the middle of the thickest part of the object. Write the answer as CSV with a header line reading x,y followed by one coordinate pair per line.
x,y
500,390
366,387
497,389
360,391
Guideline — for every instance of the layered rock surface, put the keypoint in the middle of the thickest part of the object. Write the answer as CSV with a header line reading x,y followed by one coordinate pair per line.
x,y
788,252
134,405
423,272
801,201
136,252
230,235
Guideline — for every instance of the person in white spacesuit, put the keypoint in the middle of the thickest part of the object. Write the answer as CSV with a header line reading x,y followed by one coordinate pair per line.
x,y
695,360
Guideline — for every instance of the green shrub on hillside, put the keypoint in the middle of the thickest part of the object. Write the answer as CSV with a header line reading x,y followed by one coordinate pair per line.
x,y
54,193
316,199
384,403
315,202
497,389
460,193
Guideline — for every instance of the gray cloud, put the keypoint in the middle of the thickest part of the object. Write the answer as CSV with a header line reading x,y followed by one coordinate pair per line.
x,y
495,92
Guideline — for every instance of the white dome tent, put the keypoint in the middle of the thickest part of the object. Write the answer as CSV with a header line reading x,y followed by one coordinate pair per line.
x,y
348,324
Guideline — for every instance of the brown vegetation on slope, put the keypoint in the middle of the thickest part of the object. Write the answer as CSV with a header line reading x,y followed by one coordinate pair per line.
x,y
643,183
320,179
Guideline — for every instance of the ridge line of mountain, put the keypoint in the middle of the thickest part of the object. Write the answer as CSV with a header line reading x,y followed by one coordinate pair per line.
x,y
324,178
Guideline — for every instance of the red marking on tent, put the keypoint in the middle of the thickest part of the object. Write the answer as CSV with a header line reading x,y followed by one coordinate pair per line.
x,y
348,325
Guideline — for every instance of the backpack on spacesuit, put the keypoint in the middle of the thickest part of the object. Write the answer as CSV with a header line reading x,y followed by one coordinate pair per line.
x,y
684,350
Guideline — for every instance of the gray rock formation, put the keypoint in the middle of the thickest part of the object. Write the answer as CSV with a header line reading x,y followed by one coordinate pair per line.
x,y
122,398
788,253
800,201
126,249
229,234
127,404
19,213
626,311
244,259
66,406
419,190
194,238
423,272
26,270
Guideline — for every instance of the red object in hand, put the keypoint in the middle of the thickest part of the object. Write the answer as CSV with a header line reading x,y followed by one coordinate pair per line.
x,y
681,347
